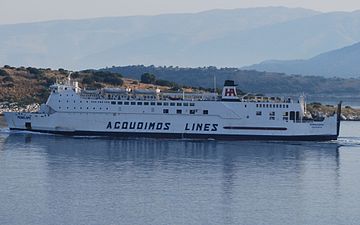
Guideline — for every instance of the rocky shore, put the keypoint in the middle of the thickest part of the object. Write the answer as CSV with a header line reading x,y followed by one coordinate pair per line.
x,y
14,107
347,113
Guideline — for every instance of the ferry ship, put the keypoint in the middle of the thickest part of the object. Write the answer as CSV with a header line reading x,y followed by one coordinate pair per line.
x,y
120,112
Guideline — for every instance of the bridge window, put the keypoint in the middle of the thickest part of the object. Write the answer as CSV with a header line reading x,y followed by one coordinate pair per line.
x,y
152,103
178,111
178,104
139,103
126,103
165,110
258,113
133,103
292,115
192,104
146,103
119,103
159,103
166,103
205,112
113,103
172,104
186,104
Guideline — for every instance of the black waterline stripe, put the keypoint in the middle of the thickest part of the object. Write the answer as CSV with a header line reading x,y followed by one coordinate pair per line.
x,y
184,135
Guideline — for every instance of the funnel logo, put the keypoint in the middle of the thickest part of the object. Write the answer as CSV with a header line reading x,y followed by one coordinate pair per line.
x,y
230,92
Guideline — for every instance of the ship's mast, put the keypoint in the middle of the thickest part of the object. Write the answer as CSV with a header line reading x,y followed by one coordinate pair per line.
x,y
69,79
215,94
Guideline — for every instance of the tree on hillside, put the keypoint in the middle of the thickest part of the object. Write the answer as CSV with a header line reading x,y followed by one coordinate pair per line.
x,y
34,71
3,73
148,78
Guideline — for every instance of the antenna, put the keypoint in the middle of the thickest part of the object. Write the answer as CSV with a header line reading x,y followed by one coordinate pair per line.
x,y
69,79
215,87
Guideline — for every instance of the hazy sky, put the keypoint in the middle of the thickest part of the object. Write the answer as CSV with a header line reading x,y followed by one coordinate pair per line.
x,y
16,11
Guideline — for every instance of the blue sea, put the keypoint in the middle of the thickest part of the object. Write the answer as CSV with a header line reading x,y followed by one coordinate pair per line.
x,y
50,179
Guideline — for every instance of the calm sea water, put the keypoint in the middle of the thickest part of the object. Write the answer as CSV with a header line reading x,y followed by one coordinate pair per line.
x,y
48,179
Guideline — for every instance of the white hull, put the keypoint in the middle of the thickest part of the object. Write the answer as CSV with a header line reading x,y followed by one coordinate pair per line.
x,y
113,124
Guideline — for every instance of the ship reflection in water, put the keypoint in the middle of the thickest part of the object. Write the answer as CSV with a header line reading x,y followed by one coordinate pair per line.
x,y
64,180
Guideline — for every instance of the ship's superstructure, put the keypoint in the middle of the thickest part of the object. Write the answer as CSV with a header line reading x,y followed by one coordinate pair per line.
x,y
152,113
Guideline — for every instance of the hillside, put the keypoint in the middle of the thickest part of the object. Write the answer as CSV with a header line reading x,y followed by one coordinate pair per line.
x,y
30,85
342,62
248,81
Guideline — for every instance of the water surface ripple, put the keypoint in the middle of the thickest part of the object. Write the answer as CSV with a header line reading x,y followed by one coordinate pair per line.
x,y
50,179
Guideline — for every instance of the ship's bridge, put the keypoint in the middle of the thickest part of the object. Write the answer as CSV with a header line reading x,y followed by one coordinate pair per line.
x,y
66,87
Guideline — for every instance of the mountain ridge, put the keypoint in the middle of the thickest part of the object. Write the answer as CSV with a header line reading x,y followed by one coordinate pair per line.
x,y
342,62
72,43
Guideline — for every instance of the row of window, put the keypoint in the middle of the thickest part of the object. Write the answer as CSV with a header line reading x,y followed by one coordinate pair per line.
x,y
90,101
165,111
153,103
258,113
141,103
294,115
272,106
86,108
192,111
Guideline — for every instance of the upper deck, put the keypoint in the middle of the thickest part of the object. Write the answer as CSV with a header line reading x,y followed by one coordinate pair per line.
x,y
70,98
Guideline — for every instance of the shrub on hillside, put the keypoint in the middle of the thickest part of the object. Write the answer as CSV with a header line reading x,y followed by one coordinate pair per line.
x,y
62,71
103,77
148,78
3,73
88,80
113,80
165,83
8,79
34,71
